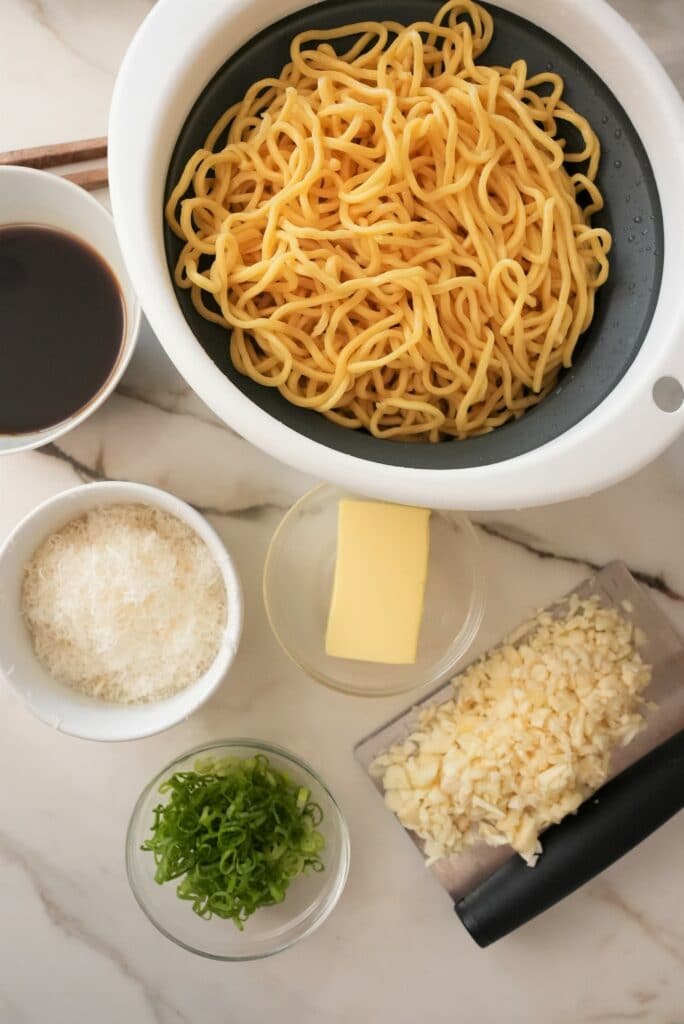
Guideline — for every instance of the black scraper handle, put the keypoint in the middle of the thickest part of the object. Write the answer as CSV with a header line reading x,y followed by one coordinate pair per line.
x,y
619,815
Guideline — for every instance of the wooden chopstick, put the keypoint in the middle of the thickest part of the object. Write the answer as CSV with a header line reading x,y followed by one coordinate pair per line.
x,y
57,155
94,177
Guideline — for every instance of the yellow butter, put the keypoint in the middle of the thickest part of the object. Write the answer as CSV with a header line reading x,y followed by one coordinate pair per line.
x,y
379,586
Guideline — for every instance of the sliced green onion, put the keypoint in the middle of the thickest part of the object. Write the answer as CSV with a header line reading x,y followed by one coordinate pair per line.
x,y
236,832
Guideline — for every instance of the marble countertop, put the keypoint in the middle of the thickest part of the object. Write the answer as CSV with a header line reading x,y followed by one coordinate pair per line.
x,y
74,945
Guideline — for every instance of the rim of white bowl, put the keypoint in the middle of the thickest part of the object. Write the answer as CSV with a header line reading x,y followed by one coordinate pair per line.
x,y
130,492
333,896
132,308
622,434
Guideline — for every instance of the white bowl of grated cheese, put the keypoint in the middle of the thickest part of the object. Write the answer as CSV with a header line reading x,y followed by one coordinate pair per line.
x,y
130,579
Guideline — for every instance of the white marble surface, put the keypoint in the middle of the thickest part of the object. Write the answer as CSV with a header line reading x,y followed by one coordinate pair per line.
x,y
73,945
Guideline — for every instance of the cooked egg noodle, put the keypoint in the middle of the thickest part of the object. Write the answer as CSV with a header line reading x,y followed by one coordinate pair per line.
x,y
391,234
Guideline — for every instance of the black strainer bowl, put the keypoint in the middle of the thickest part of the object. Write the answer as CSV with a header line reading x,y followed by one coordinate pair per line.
x,y
632,214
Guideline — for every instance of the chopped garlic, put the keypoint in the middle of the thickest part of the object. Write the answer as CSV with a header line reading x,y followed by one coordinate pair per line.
x,y
527,737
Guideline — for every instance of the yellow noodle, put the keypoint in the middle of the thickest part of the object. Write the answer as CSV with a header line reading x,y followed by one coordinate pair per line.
x,y
391,235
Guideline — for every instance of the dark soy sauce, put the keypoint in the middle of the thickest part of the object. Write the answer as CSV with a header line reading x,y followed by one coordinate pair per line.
x,y
62,324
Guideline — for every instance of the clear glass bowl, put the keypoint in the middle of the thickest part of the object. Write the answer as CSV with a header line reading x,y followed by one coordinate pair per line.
x,y
298,579
309,899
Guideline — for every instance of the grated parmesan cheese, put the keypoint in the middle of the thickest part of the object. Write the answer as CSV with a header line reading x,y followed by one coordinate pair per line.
x,y
527,738
125,603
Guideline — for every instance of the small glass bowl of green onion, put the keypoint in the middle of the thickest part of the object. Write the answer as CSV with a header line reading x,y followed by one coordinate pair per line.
x,y
237,850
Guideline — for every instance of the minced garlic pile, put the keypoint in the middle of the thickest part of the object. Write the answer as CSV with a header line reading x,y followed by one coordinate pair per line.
x,y
526,739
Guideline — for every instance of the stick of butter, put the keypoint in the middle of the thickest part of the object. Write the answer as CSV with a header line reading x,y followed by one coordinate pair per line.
x,y
379,586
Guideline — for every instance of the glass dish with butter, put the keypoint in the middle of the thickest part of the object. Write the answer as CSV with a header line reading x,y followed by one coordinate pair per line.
x,y
371,598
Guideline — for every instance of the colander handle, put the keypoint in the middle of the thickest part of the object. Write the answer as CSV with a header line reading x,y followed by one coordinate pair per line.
x,y
619,815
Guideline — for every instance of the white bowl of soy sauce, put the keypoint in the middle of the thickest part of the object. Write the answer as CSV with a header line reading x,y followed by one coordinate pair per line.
x,y
69,318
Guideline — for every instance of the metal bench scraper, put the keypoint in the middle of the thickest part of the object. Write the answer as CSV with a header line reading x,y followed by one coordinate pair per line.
x,y
493,890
